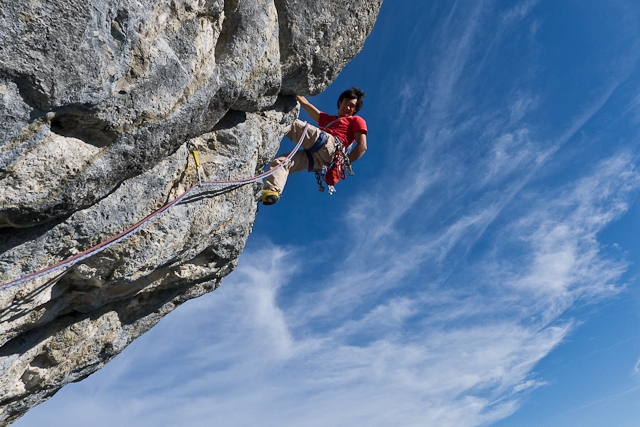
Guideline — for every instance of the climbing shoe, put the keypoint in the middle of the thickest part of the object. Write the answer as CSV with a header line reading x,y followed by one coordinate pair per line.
x,y
269,197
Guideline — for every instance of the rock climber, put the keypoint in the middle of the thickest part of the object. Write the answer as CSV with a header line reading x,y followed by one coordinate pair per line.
x,y
321,143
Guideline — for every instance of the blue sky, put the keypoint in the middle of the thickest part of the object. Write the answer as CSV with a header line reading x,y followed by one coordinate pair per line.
x,y
481,268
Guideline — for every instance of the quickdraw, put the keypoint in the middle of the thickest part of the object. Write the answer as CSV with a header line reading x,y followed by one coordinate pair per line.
x,y
196,159
335,172
320,179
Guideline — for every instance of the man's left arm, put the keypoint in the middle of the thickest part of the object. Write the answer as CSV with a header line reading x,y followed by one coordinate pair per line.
x,y
360,148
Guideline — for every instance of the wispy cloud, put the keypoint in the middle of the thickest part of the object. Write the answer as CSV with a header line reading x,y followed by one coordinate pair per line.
x,y
436,304
455,351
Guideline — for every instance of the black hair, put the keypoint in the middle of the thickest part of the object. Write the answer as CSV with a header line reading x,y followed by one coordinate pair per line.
x,y
353,93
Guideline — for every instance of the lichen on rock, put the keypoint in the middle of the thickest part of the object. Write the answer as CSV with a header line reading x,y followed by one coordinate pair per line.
x,y
101,102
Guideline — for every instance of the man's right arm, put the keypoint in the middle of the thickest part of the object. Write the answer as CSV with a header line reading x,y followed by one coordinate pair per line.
x,y
309,108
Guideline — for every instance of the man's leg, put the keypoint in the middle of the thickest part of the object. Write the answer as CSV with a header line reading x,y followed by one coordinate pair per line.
x,y
295,133
275,183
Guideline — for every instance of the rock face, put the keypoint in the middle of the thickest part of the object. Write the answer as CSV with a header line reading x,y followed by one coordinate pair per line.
x,y
100,104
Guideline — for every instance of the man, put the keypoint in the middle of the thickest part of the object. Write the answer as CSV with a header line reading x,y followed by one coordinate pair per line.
x,y
320,143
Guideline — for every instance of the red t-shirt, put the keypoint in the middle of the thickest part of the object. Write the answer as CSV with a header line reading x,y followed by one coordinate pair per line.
x,y
343,128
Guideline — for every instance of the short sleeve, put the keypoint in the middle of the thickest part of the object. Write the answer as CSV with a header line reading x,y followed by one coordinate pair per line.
x,y
324,119
359,125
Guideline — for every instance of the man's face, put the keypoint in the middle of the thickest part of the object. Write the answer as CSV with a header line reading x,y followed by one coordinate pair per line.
x,y
347,107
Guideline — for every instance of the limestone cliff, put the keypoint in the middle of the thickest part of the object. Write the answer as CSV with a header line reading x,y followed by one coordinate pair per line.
x,y
99,102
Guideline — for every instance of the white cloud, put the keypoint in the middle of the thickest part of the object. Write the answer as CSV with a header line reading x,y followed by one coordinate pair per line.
x,y
415,323
447,352
455,352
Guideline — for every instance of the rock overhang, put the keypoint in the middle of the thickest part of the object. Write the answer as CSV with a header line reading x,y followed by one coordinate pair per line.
x,y
100,104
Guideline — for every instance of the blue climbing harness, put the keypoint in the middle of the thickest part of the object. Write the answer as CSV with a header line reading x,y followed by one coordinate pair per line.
x,y
322,139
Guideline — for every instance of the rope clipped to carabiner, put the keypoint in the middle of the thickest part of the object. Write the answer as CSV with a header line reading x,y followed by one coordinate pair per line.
x,y
72,260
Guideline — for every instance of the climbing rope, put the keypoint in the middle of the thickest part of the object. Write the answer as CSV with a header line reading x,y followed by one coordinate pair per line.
x,y
151,218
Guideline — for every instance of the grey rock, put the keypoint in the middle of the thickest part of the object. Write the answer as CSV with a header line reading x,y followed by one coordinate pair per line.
x,y
101,103
318,38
